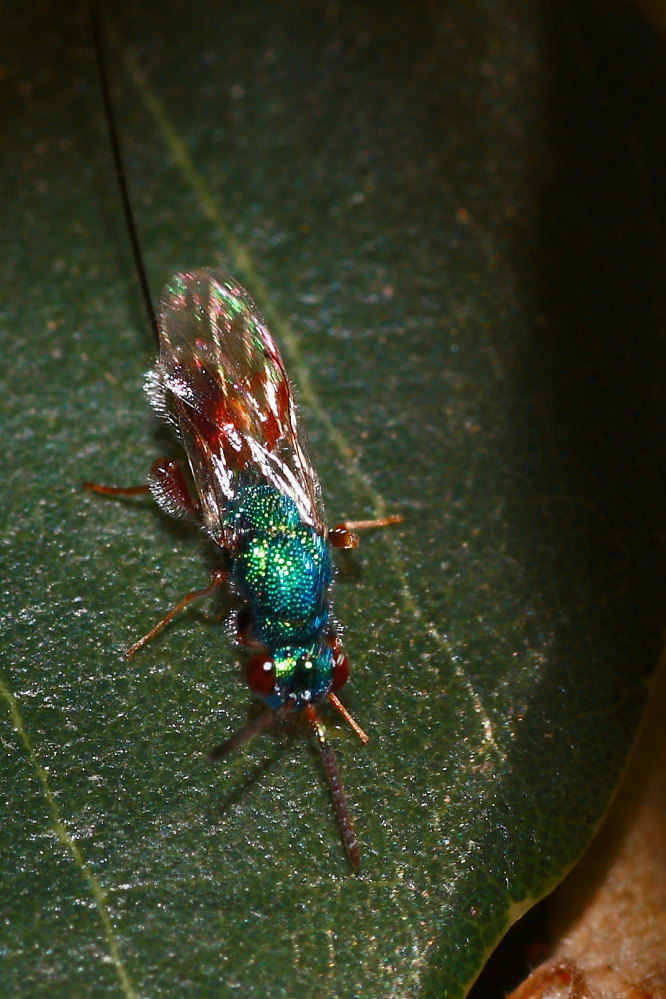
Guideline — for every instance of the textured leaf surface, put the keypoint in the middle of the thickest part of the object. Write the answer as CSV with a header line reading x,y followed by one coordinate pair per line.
x,y
452,230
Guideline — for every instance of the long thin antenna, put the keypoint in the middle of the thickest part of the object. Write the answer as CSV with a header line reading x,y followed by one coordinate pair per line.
x,y
120,175
340,805
259,724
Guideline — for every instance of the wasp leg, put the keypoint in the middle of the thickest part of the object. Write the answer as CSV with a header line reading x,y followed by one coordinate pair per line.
x,y
95,487
217,578
245,632
167,484
170,490
345,536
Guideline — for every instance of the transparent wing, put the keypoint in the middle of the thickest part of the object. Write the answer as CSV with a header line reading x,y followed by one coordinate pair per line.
x,y
220,381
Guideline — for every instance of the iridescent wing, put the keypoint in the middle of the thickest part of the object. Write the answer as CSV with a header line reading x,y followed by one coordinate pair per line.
x,y
220,381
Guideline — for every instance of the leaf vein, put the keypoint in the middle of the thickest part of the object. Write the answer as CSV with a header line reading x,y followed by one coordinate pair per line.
x,y
68,841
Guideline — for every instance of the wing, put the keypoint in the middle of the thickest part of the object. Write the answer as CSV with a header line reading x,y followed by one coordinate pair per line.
x,y
220,381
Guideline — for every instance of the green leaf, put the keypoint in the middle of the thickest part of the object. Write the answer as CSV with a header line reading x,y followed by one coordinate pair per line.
x,y
447,215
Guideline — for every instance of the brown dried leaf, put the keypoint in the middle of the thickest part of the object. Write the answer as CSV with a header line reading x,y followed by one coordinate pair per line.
x,y
609,916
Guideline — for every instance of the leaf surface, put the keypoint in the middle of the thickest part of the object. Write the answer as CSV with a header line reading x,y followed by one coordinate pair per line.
x,y
447,215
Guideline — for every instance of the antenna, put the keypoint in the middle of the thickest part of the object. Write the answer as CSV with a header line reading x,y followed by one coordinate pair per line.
x,y
120,175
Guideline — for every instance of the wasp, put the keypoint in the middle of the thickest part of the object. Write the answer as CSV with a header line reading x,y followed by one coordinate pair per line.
x,y
220,383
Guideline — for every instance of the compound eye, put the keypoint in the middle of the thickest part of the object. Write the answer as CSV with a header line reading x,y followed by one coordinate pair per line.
x,y
260,673
341,667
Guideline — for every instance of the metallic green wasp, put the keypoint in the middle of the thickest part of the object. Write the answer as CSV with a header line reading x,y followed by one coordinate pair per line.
x,y
220,383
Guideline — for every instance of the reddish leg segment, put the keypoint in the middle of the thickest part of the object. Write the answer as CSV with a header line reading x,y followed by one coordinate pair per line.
x,y
95,487
216,580
167,484
344,535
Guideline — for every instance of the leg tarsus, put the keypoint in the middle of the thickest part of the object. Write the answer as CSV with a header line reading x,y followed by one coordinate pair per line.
x,y
364,525
216,580
95,487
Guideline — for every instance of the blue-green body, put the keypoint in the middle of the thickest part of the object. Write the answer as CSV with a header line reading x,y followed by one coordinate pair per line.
x,y
282,568
221,384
